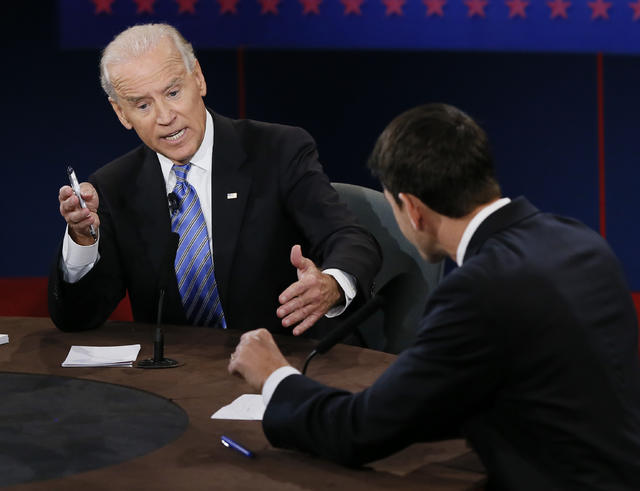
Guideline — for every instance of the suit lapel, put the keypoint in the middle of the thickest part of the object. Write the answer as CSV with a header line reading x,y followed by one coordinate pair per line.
x,y
502,218
150,211
231,185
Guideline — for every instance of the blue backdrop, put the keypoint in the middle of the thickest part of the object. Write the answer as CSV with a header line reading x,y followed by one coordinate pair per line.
x,y
501,25
540,110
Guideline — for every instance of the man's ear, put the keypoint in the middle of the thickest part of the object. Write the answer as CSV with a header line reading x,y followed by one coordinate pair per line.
x,y
200,81
414,209
120,113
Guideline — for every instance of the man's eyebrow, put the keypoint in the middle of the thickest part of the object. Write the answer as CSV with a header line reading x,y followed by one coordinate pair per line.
x,y
175,81
136,99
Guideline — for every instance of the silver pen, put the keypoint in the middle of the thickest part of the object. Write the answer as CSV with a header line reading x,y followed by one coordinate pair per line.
x,y
73,180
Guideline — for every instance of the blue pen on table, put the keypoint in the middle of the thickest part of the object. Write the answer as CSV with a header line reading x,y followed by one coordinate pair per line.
x,y
73,180
228,442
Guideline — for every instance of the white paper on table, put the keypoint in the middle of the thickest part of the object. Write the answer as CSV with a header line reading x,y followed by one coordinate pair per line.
x,y
4,338
247,406
102,356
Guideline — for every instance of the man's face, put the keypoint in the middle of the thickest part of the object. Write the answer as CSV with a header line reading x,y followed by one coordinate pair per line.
x,y
161,101
422,235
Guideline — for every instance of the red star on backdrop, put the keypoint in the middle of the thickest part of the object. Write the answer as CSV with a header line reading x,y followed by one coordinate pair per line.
x,y
229,6
434,7
145,6
517,8
103,6
476,7
186,6
636,9
352,6
313,6
558,8
393,7
599,9
269,6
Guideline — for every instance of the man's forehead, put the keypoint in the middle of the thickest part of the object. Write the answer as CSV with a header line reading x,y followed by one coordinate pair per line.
x,y
139,76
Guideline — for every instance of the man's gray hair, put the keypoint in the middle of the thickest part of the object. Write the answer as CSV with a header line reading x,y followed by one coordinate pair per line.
x,y
136,41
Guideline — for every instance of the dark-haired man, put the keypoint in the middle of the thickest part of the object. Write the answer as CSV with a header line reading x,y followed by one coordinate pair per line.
x,y
528,349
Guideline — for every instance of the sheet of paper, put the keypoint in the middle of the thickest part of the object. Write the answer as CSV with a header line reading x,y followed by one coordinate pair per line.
x,y
102,356
4,338
247,406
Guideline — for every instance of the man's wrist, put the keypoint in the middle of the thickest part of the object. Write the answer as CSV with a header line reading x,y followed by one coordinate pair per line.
x,y
271,383
347,284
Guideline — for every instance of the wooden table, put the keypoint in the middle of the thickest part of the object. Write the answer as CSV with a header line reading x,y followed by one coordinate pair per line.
x,y
197,460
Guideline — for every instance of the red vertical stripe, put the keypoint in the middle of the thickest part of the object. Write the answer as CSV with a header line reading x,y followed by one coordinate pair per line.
x,y
601,181
242,96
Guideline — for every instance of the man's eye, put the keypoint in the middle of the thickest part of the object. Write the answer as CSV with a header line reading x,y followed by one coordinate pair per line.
x,y
143,106
173,93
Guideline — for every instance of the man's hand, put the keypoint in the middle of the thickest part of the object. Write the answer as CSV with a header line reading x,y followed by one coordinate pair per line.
x,y
79,219
256,357
309,298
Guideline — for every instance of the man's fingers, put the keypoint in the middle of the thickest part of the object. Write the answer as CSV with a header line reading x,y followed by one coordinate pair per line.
x,y
296,255
69,203
89,195
302,301
256,357
301,263
306,324
296,315
234,362
64,193
231,367
76,217
294,290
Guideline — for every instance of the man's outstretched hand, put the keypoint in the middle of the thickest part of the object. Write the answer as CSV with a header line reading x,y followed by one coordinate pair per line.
x,y
309,298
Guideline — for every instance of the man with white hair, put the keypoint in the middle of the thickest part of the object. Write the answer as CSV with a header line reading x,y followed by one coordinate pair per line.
x,y
246,199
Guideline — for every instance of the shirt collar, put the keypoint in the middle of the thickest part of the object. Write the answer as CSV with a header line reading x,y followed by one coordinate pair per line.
x,y
473,225
202,157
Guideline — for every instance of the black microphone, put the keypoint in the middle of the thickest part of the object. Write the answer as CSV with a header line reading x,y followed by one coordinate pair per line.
x,y
174,203
167,265
158,360
377,302
158,346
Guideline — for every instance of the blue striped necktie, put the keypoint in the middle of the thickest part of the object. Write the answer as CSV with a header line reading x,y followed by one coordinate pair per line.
x,y
194,264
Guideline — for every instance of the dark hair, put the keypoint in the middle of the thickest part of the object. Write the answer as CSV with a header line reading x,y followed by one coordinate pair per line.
x,y
439,154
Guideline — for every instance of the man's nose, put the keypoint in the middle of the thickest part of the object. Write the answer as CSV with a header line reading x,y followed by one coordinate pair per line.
x,y
164,113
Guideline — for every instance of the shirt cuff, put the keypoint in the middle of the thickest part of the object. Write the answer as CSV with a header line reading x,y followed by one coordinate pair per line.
x,y
77,260
273,380
348,284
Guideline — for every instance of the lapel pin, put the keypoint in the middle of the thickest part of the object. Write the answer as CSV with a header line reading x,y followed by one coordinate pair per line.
x,y
232,195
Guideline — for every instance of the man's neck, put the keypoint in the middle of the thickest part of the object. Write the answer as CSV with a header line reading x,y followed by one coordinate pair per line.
x,y
462,229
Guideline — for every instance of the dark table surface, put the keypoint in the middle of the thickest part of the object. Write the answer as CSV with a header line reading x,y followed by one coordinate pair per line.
x,y
196,459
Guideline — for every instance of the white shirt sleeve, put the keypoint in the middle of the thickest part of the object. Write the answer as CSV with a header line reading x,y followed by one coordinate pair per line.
x,y
274,380
348,284
77,260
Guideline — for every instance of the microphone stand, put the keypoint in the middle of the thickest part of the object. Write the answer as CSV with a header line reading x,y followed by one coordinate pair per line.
x,y
307,360
378,301
158,360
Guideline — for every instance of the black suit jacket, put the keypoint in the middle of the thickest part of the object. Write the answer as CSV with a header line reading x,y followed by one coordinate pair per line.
x,y
282,197
529,349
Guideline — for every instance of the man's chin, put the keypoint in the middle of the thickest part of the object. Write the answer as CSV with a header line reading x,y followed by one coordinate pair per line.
x,y
178,158
433,257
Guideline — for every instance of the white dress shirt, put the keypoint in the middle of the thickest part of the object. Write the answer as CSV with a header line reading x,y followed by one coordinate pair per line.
x,y
473,225
77,260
